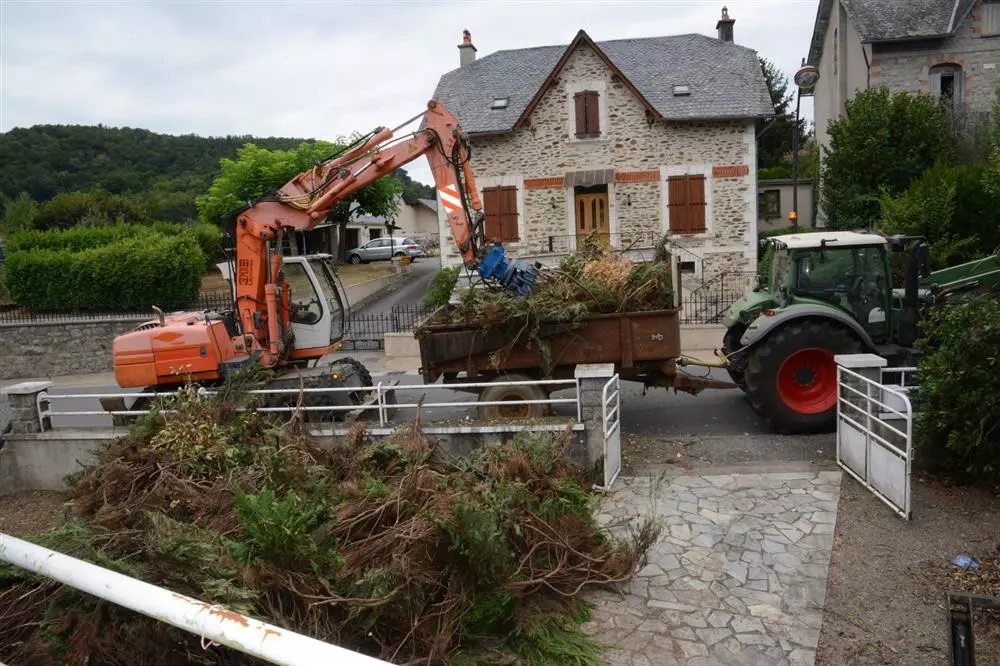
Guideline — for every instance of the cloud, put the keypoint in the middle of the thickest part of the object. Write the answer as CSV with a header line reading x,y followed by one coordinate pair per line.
x,y
309,69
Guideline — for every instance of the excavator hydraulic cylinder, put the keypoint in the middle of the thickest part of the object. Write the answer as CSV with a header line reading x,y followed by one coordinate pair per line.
x,y
514,275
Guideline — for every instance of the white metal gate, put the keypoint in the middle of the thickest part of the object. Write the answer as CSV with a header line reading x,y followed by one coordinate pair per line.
x,y
611,420
875,437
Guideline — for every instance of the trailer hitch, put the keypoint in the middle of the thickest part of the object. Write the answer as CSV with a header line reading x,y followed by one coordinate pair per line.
x,y
723,362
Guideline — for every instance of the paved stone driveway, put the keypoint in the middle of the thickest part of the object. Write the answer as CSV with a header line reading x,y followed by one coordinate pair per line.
x,y
738,576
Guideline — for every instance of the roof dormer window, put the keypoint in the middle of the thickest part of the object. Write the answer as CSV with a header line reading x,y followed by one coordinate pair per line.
x,y
499,103
682,89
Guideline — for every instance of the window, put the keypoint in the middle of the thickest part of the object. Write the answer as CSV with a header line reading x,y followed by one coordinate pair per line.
x,y
588,115
769,203
991,18
304,305
946,83
499,103
687,267
500,207
686,204
680,90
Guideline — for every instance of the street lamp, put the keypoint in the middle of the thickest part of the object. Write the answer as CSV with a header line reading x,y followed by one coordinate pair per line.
x,y
805,83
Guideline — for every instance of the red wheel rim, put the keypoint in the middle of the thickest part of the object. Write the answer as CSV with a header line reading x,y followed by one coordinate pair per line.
x,y
807,381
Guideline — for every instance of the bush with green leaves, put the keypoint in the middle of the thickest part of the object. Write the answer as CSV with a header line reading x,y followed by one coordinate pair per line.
x,y
208,237
99,207
133,273
958,398
880,145
439,292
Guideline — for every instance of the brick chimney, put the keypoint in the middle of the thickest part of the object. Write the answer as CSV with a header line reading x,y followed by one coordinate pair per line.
x,y
466,50
725,26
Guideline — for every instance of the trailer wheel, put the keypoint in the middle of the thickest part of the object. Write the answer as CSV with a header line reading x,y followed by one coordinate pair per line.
x,y
501,393
792,375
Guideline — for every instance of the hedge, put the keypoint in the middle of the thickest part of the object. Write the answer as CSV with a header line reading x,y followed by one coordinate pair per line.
x,y
208,237
133,273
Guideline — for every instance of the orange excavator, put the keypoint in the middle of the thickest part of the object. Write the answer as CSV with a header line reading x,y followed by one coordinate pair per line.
x,y
288,311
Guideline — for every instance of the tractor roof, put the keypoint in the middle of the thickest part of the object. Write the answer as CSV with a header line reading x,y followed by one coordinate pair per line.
x,y
833,239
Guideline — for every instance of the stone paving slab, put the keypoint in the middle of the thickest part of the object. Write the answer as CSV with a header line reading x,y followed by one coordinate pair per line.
x,y
738,575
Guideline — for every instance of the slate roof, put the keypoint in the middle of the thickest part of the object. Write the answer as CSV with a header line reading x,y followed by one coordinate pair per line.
x,y
430,203
891,20
725,80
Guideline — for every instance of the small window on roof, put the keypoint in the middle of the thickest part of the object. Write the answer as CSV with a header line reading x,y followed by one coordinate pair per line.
x,y
682,90
499,103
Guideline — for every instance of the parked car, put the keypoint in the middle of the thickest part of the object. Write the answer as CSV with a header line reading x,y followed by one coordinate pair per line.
x,y
383,249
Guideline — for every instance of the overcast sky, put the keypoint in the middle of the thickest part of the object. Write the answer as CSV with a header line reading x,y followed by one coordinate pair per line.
x,y
310,69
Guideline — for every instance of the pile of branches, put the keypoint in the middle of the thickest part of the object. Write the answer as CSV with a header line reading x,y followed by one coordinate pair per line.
x,y
592,281
389,548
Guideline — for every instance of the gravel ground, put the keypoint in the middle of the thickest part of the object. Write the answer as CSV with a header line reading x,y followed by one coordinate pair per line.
x,y
885,600
25,512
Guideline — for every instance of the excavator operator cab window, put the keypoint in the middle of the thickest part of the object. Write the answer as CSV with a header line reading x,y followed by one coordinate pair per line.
x,y
326,274
304,304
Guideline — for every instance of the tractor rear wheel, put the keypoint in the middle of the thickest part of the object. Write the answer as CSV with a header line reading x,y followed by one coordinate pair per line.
x,y
737,363
792,376
512,394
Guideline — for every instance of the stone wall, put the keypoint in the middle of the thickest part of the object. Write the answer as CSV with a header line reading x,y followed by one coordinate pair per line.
x,y
638,148
62,348
907,66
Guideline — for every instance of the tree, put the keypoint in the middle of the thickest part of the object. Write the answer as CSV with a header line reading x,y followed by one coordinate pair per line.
x,y
879,146
774,141
98,207
257,171
19,214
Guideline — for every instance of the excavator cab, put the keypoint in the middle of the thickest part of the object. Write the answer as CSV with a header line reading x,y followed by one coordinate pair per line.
x,y
316,310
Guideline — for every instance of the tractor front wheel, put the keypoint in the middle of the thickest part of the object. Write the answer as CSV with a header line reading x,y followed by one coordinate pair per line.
x,y
792,376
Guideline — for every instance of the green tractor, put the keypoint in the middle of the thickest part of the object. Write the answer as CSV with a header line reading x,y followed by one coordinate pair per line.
x,y
831,293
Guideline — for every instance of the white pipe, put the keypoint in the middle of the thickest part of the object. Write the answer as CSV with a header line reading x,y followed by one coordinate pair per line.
x,y
274,644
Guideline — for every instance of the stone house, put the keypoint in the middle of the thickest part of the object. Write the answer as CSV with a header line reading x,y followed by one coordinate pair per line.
x,y
418,219
946,48
628,138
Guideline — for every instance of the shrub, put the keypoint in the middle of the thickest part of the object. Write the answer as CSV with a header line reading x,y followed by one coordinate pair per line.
x,y
882,142
440,290
208,237
958,400
130,273
66,209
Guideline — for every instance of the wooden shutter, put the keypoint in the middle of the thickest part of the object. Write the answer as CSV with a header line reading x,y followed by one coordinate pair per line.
x,y
500,207
491,207
686,204
593,114
581,113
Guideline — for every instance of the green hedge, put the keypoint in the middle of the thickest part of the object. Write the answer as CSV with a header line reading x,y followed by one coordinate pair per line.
x,y
208,237
132,273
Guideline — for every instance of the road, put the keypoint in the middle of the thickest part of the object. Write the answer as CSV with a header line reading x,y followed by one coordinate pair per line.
x,y
409,293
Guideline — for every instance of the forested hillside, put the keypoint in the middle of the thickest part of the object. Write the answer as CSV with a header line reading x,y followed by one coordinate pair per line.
x,y
164,173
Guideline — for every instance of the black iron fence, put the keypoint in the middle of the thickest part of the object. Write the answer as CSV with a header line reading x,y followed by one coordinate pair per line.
x,y
710,302
366,330
13,314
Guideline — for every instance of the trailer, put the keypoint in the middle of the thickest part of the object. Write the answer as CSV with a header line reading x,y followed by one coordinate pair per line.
x,y
643,346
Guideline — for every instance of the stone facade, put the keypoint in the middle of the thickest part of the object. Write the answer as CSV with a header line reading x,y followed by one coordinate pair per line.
x,y
54,349
907,66
642,152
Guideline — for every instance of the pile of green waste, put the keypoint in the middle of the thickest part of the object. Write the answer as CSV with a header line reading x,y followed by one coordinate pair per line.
x,y
390,548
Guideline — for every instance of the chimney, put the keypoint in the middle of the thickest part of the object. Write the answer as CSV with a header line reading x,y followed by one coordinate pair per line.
x,y
466,49
725,26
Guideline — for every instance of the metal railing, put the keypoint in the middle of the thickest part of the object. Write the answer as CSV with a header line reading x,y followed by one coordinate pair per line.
x,y
366,330
219,300
209,621
709,303
875,437
380,398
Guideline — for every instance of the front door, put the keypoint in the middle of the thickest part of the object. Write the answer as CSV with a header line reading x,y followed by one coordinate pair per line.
x,y
591,216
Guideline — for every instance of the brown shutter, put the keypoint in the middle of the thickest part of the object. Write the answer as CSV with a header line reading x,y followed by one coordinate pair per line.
x,y
491,206
581,113
686,204
593,114
696,203
677,206
508,214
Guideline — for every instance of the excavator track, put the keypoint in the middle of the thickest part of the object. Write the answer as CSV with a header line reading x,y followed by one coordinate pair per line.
x,y
342,372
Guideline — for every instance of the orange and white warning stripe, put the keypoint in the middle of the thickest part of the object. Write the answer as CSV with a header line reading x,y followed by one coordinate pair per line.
x,y
449,198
